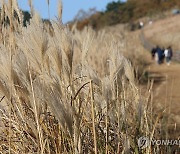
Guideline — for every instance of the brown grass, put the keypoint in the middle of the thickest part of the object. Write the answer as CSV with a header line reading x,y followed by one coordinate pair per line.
x,y
69,92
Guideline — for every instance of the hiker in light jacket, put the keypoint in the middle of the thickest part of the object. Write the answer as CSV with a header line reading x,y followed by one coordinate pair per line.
x,y
168,55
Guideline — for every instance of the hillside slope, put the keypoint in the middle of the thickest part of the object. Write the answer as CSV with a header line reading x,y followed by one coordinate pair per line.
x,y
166,78
164,32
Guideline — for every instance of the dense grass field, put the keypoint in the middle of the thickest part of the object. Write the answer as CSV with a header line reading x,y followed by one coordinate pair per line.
x,y
70,91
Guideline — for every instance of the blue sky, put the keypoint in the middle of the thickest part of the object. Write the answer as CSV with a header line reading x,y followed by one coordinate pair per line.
x,y
70,7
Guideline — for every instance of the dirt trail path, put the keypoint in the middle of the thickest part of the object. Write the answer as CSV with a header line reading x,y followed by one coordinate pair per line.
x,y
166,78
167,88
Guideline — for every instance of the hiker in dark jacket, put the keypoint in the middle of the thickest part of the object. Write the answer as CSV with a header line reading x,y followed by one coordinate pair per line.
x,y
163,56
159,54
153,52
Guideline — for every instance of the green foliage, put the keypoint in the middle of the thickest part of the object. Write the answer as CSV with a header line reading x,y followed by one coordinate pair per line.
x,y
113,6
26,18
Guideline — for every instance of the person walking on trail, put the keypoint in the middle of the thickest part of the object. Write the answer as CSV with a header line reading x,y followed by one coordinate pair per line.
x,y
163,55
153,52
159,55
168,55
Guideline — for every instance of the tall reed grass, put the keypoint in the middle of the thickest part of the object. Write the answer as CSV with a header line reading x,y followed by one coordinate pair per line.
x,y
68,91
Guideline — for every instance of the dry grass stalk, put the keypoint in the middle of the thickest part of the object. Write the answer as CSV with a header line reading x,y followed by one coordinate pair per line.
x,y
68,92
60,11
93,116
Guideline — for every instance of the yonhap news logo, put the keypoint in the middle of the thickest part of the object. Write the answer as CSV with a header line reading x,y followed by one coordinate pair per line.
x,y
144,142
